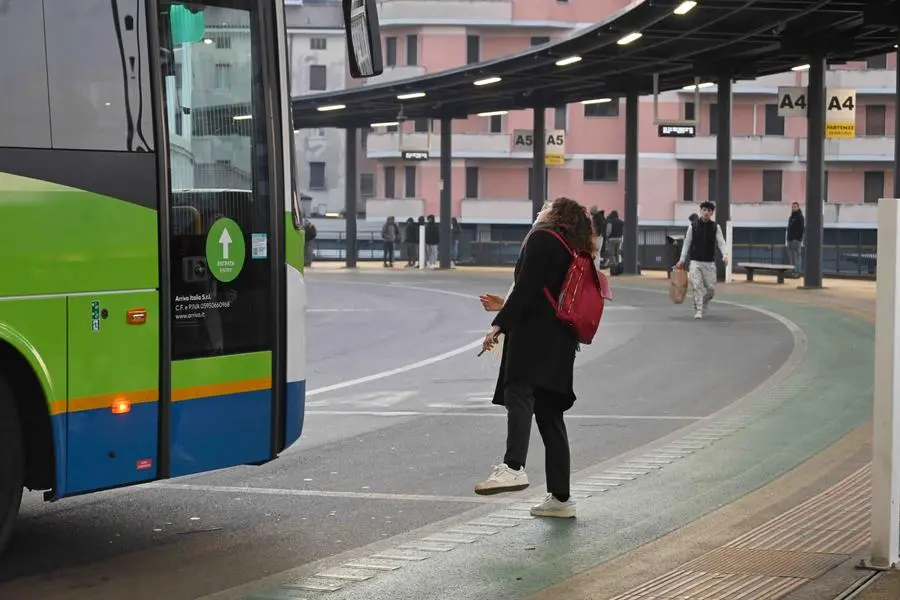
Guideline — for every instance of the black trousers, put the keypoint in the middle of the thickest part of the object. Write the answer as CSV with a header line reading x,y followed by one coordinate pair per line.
x,y
522,401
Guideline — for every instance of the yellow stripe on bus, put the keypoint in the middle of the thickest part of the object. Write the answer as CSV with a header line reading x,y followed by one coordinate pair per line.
x,y
83,403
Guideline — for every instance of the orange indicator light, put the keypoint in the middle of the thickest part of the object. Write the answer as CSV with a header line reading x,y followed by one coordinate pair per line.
x,y
136,316
121,407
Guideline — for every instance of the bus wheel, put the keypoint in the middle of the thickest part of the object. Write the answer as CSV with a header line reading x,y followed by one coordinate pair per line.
x,y
11,464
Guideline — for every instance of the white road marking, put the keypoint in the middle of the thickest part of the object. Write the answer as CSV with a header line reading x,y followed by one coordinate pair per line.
x,y
323,494
413,413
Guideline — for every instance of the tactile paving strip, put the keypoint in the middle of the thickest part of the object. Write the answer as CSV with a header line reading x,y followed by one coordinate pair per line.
x,y
778,557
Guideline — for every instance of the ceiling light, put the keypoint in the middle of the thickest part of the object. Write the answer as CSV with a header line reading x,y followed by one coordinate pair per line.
x,y
597,101
563,62
411,95
386,124
243,117
630,38
495,113
331,107
488,81
207,41
685,7
699,86
800,68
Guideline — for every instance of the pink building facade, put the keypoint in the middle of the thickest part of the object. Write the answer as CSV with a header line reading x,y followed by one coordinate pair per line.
x,y
491,178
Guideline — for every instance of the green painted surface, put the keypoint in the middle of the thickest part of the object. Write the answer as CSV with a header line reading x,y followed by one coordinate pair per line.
x,y
827,396
225,250
293,243
58,239
118,357
36,328
221,369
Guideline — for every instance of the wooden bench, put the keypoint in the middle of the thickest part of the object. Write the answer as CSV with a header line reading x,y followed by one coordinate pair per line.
x,y
779,270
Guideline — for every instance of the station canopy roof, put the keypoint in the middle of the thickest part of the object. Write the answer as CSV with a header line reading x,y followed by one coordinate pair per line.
x,y
746,38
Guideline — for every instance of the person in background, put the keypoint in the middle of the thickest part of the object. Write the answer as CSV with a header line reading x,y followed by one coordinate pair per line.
x,y
615,229
598,218
432,239
310,234
411,239
538,361
796,227
700,241
455,231
390,233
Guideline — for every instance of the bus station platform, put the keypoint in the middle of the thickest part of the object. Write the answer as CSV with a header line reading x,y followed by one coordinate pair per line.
x,y
767,498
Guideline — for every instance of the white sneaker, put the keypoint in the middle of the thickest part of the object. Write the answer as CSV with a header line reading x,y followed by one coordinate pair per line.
x,y
698,314
551,507
503,479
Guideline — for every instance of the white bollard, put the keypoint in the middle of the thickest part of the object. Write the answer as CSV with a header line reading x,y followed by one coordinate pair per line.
x,y
886,418
421,246
729,248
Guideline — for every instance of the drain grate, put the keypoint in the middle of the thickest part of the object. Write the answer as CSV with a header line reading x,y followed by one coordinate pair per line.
x,y
681,585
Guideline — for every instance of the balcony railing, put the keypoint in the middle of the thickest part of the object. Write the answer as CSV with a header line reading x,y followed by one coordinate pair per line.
x,y
379,209
396,73
464,145
751,147
858,149
424,12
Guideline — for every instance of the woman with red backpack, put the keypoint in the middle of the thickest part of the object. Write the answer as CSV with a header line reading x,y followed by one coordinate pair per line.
x,y
538,360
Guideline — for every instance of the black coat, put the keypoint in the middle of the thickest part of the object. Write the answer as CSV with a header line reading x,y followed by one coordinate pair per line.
x,y
539,349
796,227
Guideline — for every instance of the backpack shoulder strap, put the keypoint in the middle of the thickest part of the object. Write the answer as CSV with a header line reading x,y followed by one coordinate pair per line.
x,y
560,238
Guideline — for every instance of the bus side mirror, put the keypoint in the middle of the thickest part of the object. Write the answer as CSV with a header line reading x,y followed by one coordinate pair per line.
x,y
363,38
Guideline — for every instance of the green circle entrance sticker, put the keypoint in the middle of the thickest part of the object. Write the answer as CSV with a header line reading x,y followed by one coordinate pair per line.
x,y
225,250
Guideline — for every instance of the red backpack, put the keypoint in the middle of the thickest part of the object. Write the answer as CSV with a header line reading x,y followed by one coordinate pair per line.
x,y
583,295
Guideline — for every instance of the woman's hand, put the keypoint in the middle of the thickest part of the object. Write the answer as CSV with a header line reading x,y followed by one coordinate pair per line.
x,y
491,339
490,302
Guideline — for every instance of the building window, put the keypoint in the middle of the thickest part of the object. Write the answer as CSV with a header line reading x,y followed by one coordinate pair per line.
x,y
367,185
601,170
318,43
774,122
390,182
390,51
877,62
496,124
471,182
317,77
473,49
223,42
392,128
604,109
223,76
690,111
559,118
412,50
713,118
825,190
873,186
420,125
537,40
687,189
317,176
363,138
711,185
409,174
771,186
875,120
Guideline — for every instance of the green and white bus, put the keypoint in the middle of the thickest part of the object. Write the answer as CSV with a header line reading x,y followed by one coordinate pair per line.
x,y
152,300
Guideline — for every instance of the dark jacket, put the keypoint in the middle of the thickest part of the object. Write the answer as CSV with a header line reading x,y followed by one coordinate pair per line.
x,y
539,349
703,241
796,226
411,233
432,233
617,228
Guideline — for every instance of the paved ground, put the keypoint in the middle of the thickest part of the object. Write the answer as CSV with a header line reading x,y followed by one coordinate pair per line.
x,y
400,428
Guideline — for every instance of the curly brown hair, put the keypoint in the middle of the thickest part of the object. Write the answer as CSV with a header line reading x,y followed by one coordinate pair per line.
x,y
572,219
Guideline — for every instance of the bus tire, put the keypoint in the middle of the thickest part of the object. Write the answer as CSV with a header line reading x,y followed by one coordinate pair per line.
x,y
12,463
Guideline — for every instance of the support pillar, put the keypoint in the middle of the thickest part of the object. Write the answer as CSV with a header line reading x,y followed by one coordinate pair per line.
x,y
630,214
539,162
885,519
351,193
446,212
723,163
815,175
897,126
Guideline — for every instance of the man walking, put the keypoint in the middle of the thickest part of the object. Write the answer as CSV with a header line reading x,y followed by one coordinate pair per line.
x,y
700,241
390,233
796,227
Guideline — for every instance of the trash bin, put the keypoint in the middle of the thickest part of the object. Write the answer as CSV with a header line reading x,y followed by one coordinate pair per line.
x,y
674,244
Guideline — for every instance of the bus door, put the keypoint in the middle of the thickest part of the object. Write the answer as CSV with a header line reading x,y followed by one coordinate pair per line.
x,y
222,231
